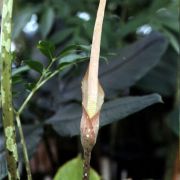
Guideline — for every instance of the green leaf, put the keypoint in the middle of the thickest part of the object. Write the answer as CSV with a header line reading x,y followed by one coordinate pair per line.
x,y
73,54
16,79
46,48
35,65
19,70
173,40
123,107
47,21
67,124
125,69
73,169
168,17
71,59
75,47
163,78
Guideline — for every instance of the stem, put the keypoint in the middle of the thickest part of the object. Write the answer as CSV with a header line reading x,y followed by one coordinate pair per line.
x,y
94,60
6,92
26,159
37,86
86,165
27,99
49,77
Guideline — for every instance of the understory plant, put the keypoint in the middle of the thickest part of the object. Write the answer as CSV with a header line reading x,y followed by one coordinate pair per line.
x,y
93,94
120,73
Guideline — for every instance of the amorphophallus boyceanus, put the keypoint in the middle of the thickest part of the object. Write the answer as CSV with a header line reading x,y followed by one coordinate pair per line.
x,y
92,94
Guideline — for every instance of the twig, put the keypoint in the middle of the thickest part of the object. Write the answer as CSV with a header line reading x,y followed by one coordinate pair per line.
x,y
26,158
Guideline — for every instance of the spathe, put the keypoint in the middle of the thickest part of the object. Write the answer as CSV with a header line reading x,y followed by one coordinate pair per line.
x,y
92,94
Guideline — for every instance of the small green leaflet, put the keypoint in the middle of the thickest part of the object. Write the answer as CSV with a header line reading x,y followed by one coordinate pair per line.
x,y
73,169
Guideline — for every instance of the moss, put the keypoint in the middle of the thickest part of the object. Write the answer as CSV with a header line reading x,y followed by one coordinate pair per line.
x,y
10,143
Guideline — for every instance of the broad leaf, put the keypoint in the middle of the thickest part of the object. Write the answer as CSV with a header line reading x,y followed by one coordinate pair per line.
x,y
73,169
168,16
46,48
47,21
71,59
17,79
173,41
35,65
130,65
67,124
163,78
19,70
123,107
75,47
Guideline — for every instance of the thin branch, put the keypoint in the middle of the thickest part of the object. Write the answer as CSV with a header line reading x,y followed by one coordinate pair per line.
x,y
40,82
26,158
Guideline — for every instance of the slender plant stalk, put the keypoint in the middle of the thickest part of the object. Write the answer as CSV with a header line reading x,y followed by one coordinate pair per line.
x,y
23,142
6,92
93,95
29,96
86,165
93,81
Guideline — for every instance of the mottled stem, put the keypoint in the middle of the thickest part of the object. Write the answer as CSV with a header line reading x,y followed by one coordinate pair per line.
x,y
6,92
86,165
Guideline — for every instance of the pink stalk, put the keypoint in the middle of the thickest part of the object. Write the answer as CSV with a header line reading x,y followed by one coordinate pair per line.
x,y
92,94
